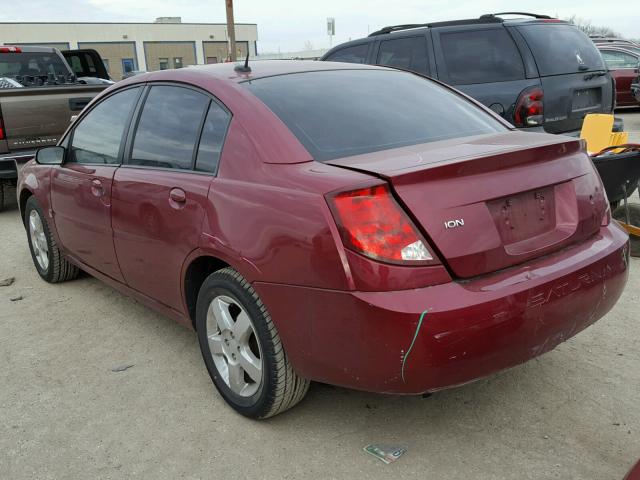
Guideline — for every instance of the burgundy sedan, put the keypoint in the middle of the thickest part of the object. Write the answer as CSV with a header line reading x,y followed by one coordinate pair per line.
x,y
624,64
349,224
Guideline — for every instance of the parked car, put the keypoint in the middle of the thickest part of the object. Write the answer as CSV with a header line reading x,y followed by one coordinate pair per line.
x,y
349,224
624,64
539,73
39,94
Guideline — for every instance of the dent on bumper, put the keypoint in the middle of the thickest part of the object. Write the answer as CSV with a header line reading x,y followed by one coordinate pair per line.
x,y
472,329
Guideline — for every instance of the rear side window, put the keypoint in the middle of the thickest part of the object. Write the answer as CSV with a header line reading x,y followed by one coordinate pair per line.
x,y
97,138
168,128
355,54
408,53
615,59
481,56
349,112
561,48
212,139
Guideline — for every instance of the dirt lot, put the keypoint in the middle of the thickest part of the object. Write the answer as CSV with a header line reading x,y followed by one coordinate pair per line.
x,y
573,413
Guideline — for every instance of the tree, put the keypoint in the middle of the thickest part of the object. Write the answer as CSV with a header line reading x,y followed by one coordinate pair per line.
x,y
587,27
308,45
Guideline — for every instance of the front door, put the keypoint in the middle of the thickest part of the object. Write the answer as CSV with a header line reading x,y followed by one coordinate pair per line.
x,y
81,187
160,193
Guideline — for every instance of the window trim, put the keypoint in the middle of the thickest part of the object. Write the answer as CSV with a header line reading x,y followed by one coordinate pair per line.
x,y
69,136
137,114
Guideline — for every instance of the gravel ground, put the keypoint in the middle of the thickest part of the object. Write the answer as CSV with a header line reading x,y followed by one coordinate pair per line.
x,y
573,413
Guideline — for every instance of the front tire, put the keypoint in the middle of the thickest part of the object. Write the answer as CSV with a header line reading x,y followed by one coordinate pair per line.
x,y
242,350
47,258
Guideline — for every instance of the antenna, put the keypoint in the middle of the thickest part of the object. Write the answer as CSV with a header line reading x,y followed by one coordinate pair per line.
x,y
245,67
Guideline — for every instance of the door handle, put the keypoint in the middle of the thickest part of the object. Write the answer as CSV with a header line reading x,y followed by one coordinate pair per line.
x,y
177,198
97,189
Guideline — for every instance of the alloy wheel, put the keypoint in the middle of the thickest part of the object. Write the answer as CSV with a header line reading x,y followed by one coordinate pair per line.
x,y
234,346
38,240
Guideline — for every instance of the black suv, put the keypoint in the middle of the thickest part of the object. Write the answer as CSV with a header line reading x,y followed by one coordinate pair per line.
x,y
539,73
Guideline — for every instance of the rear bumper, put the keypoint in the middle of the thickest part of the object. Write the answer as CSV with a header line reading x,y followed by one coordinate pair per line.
x,y
471,329
9,163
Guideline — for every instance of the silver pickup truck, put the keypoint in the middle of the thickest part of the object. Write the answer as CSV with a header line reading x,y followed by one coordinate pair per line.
x,y
40,90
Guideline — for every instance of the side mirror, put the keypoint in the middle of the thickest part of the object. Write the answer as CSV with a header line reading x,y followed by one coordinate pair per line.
x,y
50,155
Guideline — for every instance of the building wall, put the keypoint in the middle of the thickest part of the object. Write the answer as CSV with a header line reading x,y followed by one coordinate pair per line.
x,y
113,53
101,35
154,51
217,52
58,45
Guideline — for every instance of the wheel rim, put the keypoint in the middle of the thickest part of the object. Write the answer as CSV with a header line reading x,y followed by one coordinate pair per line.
x,y
38,240
234,346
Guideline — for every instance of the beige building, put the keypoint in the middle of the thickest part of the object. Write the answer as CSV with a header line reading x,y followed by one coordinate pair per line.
x,y
165,43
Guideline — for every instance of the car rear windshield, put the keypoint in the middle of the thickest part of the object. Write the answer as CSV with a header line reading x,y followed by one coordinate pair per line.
x,y
340,113
33,64
561,48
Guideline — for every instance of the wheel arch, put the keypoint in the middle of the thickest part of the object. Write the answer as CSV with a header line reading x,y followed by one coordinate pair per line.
x,y
196,271
24,196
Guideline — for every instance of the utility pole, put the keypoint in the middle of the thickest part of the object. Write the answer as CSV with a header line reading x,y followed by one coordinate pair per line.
x,y
231,30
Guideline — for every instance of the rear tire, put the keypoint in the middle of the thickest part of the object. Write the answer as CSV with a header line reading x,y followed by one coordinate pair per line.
x,y
227,306
2,192
47,258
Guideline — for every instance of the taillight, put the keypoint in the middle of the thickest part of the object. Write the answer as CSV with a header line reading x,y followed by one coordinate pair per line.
x,y
7,49
529,109
372,223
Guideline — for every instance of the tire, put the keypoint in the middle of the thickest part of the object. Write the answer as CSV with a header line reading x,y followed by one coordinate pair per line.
x,y
2,192
258,394
51,265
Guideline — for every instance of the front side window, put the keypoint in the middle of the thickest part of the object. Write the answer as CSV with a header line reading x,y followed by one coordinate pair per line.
x,y
615,59
96,139
481,56
407,53
212,139
168,128
340,113
355,54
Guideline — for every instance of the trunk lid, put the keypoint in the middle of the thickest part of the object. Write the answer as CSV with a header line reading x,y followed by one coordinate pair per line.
x,y
489,202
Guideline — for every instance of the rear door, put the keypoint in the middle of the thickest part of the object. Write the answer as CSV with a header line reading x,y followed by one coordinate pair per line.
x,y
624,68
81,187
484,62
574,78
160,194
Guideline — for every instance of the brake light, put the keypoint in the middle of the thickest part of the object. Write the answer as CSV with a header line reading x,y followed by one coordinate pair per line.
x,y
372,223
529,109
6,49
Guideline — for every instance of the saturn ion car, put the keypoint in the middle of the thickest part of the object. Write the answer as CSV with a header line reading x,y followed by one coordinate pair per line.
x,y
313,221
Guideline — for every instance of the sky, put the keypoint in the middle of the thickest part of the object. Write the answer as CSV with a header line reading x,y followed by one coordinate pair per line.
x,y
289,25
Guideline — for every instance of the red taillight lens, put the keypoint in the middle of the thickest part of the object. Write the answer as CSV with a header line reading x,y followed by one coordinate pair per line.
x,y
529,109
372,223
6,49
2,135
